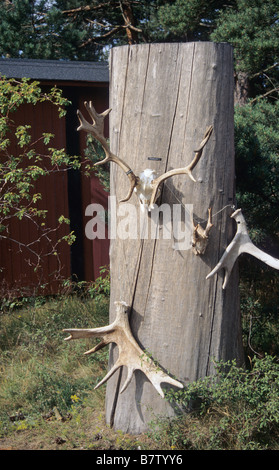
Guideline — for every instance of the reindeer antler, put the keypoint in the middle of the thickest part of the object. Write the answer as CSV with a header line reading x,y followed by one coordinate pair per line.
x,y
241,243
179,171
97,130
130,354
144,184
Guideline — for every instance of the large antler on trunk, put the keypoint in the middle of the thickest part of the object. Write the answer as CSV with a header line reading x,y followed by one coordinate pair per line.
x,y
181,171
145,185
97,130
241,243
129,352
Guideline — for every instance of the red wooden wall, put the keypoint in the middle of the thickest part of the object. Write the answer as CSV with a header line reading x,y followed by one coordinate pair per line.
x,y
17,273
96,251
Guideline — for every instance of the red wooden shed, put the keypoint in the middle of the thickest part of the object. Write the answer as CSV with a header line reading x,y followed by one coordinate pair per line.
x,y
67,193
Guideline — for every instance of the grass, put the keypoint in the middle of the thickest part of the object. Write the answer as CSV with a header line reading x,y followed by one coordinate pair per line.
x,y
47,385
48,401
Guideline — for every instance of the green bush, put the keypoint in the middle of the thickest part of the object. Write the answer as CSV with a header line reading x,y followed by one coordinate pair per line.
x,y
236,409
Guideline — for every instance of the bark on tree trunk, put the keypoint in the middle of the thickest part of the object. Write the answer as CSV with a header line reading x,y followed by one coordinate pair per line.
x,y
132,35
241,88
163,97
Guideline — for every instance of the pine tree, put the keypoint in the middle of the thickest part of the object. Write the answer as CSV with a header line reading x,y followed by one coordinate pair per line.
x,y
251,27
68,29
253,30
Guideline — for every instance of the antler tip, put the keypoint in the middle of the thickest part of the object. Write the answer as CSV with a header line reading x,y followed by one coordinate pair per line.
x,y
68,337
192,177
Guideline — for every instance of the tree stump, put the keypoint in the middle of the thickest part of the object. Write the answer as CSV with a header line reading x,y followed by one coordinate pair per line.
x,y
163,97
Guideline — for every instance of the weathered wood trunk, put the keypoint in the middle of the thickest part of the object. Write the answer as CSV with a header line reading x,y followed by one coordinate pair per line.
x,y
163,97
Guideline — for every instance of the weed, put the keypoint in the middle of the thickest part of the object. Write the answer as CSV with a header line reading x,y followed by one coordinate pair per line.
x,y
39,370
236,409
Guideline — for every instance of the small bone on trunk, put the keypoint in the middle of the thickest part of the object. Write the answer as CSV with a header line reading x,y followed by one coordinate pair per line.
x,y
241,243
129,352
200,235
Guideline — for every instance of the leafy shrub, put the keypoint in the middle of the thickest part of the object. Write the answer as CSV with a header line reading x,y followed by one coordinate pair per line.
x,y
98,289
236,409
24,161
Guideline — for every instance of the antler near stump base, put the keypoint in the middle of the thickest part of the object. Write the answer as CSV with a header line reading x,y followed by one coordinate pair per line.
x,y
130,354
